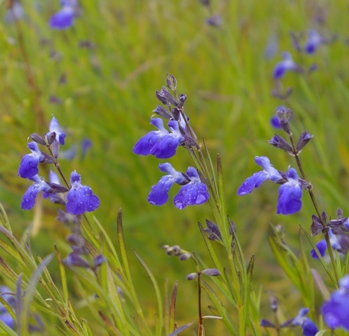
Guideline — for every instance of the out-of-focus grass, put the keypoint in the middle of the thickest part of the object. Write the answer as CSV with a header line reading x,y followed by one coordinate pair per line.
x,y
108,97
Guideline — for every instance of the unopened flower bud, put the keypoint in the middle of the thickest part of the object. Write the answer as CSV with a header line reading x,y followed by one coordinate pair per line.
x,y
171,82
211,272
38,138
74,259
192,276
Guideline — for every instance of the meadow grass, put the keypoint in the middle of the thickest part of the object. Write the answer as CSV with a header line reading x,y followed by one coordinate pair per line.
x,y
106,94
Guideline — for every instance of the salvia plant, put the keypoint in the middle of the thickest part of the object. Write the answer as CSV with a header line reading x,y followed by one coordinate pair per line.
x,y
35,298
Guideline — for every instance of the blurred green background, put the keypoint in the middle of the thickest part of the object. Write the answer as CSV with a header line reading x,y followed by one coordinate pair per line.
x,y
99,80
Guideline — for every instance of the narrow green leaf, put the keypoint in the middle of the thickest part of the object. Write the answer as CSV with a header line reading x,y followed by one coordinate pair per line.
x,y
157,293
172,314
29,294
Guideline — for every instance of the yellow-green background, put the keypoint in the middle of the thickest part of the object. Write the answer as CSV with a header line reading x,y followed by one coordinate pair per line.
x,y
109,96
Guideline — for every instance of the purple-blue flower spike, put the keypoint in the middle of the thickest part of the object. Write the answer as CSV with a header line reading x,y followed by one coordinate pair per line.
x,y
313,41
54,127
167,146
29,197
193,193
147,142
80,198
290,194
336,310
308,326
159,192
29,164
254,181
64,18
286,64
322,245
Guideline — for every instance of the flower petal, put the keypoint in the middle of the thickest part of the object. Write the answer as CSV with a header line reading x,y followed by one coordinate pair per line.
x,y
63,19
159,192
191,194
289,201
252,182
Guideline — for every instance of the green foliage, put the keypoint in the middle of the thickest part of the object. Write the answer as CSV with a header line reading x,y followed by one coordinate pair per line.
x,y
103,72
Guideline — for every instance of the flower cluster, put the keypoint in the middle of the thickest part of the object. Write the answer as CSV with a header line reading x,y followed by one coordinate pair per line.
x,y
290,191
78,198
163,144
291,186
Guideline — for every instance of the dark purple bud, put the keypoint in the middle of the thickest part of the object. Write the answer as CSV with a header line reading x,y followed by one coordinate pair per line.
x,y
335,223
55,100
159,95
192,276
316,226
50,137
162,112
185,256
74,259
171,82
176,113
56,188
213,230
168,96
38,138
324,217
99,260
279,142
55,149
182,98
273,304
211,272
284,115
339,213
214,21
267,324
66,218
74,239
47,159
303,140
82,249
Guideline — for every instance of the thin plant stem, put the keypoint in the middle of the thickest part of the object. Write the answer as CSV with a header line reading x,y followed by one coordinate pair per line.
x,y
312,196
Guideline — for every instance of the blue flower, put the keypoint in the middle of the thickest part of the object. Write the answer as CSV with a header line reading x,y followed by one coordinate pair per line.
x,y
336,310
29,196
254,181
322,245
313,42
80,198
308,326
160,143
64,18
55,128
29,164
290,194
193,192
286,64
